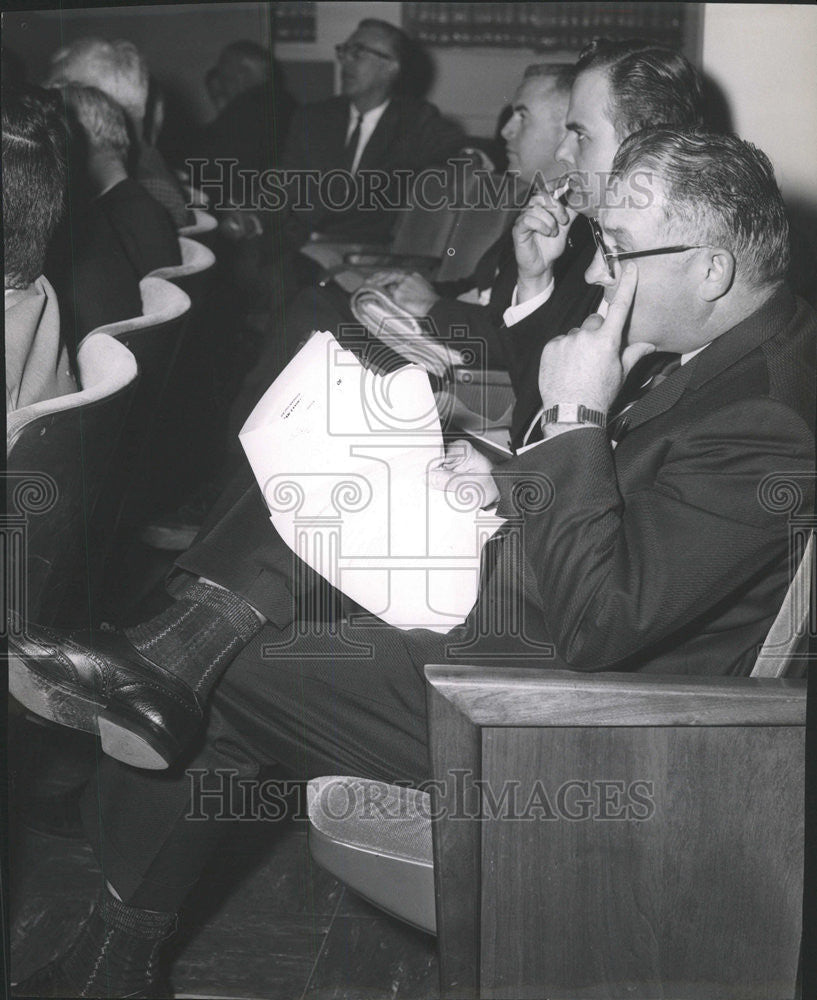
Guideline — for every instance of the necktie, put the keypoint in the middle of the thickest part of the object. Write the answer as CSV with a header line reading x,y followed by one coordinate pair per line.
x,y
648,373
351,143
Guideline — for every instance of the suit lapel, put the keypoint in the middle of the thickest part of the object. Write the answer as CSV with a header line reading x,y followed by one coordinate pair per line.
x,y
721,354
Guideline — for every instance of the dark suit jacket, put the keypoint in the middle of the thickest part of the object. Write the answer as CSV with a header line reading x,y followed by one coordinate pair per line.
x,y
668,554
410,135
518,348
113,243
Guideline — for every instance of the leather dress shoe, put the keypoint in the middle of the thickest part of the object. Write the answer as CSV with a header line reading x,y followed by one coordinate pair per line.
x,y
142,713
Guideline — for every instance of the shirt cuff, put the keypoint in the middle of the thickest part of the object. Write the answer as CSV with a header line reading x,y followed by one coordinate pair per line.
x,y
515,312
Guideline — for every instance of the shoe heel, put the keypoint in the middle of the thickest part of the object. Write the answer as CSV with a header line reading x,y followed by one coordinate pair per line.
x,y
129,747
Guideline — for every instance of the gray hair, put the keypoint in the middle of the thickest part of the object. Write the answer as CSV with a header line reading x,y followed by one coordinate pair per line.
x,y
116,68
718,190
102,119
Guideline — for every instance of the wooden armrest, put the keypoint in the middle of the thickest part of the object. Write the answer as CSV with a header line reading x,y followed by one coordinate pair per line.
x,y
491,696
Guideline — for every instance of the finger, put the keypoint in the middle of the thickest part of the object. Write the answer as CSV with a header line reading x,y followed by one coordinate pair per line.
x,y
593,322
633,353
545,225
619,309
438,479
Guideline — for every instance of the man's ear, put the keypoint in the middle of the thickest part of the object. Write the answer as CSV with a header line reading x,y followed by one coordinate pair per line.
x,y
719,273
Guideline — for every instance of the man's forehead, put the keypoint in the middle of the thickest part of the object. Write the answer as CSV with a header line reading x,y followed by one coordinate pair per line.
x,y
370,34
536,89
589,97
633,219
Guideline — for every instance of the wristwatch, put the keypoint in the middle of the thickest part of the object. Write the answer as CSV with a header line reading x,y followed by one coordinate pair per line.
x,y
573,413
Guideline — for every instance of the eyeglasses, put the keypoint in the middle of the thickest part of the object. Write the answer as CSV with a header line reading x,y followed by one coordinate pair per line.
x,y
355,50
610,256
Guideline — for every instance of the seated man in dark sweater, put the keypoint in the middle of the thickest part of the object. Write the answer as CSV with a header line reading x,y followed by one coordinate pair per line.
x,y
118,233
119,70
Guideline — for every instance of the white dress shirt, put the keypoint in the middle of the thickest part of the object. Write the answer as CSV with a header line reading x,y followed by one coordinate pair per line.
x,y
368,123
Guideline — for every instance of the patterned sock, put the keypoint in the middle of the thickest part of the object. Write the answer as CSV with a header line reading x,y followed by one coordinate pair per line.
x,y
198,635
117,950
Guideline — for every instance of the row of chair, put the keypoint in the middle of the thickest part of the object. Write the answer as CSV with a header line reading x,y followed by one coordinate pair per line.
x,y
94,451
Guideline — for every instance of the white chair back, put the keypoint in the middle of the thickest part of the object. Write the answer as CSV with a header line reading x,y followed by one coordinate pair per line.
x,y
790,627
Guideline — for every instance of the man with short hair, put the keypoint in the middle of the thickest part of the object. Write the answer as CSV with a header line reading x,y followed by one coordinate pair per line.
x,y
118,69
638,540
374,125
34,179
118,232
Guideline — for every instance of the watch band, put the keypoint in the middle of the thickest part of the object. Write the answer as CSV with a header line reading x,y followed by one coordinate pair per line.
x,y
573,413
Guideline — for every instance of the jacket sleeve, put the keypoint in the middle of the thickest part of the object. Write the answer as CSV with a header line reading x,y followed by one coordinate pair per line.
x,y
482,328
617,571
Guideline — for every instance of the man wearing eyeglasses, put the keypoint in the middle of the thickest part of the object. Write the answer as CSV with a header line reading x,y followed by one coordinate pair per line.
x,y
620,87
374,125
655,547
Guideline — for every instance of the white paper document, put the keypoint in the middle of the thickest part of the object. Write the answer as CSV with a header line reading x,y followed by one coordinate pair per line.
x,y
341,454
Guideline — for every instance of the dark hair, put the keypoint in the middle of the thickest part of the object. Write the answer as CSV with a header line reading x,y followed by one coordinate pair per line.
x,y
719,190
649,85
34,179
562,74
247,51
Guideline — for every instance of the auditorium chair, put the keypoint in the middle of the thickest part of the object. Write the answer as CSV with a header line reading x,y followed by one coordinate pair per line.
x,y
598,835
195,270
203,229
59,452
179,436
154,339
443,243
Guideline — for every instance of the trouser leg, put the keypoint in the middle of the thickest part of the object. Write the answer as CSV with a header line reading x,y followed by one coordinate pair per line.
x,y
288,699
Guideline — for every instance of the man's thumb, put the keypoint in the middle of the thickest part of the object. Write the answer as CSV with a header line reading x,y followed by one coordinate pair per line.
x,y
635,352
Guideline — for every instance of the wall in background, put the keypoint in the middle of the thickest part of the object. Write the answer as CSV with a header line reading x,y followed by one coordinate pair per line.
x,y
761,55
763,58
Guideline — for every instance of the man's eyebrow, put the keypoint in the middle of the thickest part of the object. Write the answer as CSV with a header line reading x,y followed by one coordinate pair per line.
x,y
520,107
575,127
617,234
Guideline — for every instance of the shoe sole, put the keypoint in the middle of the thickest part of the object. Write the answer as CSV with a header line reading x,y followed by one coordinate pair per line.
x,y
66,707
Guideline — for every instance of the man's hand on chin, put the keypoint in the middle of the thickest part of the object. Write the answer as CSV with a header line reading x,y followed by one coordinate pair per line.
x,y
587,364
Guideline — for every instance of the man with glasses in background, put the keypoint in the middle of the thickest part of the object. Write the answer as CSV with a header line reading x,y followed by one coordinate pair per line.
x,y
374,125
644,547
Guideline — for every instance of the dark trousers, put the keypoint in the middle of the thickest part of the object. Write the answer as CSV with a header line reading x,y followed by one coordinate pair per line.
x,y
310,694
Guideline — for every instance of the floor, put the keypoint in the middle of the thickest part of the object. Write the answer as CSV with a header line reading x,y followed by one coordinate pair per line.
x,y
270,923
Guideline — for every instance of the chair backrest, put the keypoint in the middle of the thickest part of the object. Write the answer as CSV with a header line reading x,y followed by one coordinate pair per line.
x,y
782,653
203,229
195,197
488,207
59,454
192,274
154,338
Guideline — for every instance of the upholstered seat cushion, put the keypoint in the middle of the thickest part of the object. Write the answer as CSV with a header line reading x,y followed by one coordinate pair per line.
x,y
376,838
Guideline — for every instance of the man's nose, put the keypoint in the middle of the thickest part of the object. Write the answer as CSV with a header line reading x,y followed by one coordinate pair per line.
x,y
564,151
509,130
598,272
